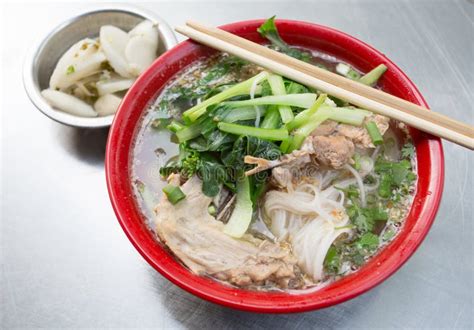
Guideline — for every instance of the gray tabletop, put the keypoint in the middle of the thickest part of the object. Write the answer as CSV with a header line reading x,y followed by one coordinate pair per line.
x,y
65,261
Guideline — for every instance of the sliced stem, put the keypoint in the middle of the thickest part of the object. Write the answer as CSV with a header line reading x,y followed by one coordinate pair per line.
x,y
272,117
373,76
233,115
278,88
295,100
374,133
304,116
262,133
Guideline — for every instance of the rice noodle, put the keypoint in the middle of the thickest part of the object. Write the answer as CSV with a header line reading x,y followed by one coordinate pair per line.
x,y
310,219
359,183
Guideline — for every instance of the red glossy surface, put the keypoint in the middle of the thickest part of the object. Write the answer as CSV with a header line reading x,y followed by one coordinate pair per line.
x,y
344,47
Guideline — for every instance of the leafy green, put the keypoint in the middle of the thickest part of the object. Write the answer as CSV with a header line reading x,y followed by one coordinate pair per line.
x,y
212,173
367,243
269,31
364,217
408,150
333,260
393,175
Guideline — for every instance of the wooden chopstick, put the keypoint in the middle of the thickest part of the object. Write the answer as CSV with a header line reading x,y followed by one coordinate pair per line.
x,y
333,84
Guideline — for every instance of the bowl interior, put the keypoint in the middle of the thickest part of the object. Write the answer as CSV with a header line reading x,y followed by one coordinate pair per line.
x,y
118,169
64,36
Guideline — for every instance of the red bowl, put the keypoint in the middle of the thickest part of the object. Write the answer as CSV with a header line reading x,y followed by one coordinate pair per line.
x,y
344,47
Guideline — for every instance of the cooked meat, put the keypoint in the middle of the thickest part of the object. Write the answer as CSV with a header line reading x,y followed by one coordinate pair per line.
x,y
334,151
196,238
359,135
326,128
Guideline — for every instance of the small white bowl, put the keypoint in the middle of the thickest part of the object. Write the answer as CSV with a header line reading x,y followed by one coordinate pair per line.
x,y
42,58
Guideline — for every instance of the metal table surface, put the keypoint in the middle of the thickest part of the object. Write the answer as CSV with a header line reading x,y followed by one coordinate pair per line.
x,y
65,261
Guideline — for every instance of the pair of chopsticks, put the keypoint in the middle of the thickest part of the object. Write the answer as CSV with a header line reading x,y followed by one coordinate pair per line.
x,y
353,92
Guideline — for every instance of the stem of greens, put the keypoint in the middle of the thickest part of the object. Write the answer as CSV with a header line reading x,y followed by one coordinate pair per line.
x,y
304,100
278,88
272,118
374,133
262,133
373,76
303,116
173,193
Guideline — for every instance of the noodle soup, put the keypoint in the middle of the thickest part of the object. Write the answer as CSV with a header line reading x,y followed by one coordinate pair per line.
x,y
262,183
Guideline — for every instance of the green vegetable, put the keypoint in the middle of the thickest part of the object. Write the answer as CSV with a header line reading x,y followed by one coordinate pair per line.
x,y
175,126
393,175
173,193
242,88
367,243
70,70
347,71
294,100
242,215
374,133
269,31
262,133
305,115
350,116
408,150
238,114
306,129
332,261
364,218
212,210
213,174
373,76
272,118
278,88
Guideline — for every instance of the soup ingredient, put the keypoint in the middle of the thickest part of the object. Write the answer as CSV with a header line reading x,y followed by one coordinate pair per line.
x,y
98,71
374,75
69,103
81,60
113,85
242,214
269,31
107,104
114,41
347,71
173,193
198,240
288,199
374,133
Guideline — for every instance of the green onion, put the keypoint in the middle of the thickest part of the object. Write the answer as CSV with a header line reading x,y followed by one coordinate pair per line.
x,y
272,117
285,144
262,133
373,76
175,126
189,132
242,88
295,100
278,88
173,193
374,133
303,116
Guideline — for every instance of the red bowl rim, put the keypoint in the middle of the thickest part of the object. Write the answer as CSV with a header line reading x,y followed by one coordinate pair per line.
x,y
237,300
